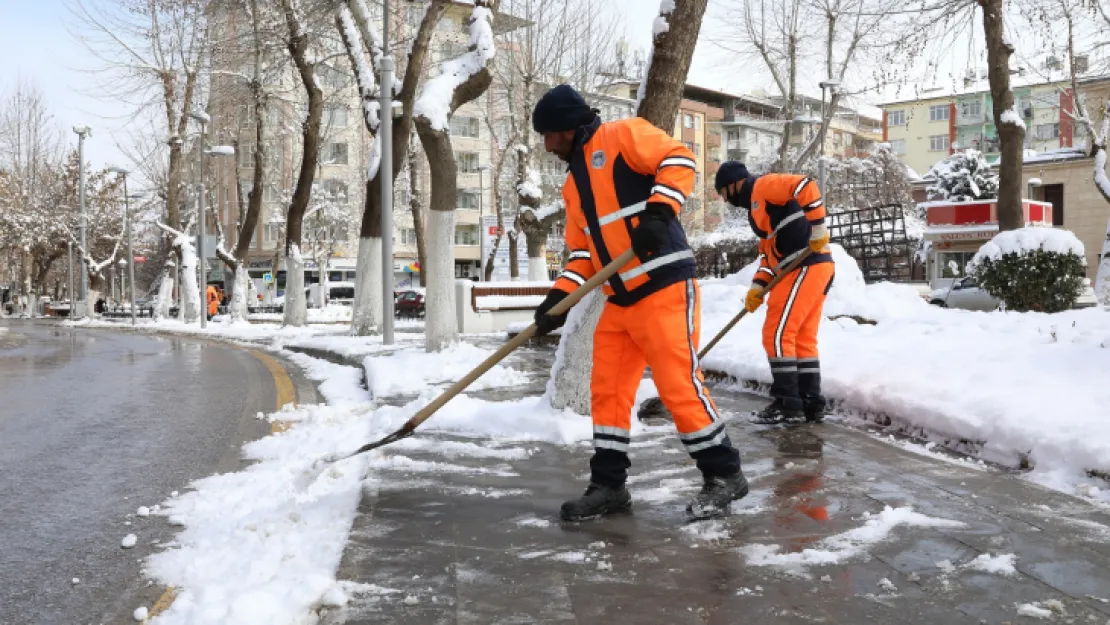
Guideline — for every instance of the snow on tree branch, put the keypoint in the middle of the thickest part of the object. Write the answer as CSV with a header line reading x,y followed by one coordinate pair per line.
x,y
435,102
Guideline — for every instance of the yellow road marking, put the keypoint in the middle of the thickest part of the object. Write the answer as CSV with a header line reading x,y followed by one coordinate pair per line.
x,y
283,384
286,394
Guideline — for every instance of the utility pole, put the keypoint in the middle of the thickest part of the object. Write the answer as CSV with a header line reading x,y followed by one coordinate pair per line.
x,y
202,261
385,174
69,278
82,133
481,226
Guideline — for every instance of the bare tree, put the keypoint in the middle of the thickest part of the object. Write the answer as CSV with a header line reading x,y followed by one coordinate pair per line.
x,y
298,42
462,80
151,55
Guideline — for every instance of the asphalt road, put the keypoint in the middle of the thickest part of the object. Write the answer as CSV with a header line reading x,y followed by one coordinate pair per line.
x,y
94,424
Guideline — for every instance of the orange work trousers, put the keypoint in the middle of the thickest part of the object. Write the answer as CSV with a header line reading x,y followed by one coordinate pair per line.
x,y
794,309
661,331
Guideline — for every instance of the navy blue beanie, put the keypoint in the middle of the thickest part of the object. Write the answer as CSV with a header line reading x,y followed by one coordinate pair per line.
x,y
562,108
730,172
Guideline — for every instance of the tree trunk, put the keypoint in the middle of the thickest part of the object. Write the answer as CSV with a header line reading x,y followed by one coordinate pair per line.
x,y
514,255
295,305
173,200
1011,136
440,319
366,317
670,63
417,210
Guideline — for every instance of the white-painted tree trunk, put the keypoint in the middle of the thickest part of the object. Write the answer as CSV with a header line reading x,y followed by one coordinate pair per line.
x,y
366,318
441,326
1102,278
569,386
164,300
190,293
296,308
94,297
537,270
240,292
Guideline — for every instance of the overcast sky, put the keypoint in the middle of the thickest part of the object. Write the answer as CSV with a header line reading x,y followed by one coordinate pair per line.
x,y
35,44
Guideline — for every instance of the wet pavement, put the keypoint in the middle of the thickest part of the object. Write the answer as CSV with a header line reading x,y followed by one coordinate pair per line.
x,y
480,541
94,424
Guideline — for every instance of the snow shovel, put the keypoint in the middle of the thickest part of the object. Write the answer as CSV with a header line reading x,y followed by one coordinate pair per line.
x,y
653,407
424,413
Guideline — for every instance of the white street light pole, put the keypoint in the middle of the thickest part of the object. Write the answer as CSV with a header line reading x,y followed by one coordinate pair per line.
x,y
831,85
130,251
202,262
385,174
82,133
69,278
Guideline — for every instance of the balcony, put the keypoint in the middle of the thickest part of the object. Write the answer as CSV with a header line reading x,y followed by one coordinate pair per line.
x,y
467,252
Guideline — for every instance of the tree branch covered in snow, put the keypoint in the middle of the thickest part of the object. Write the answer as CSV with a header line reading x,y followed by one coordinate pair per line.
x,y
445,93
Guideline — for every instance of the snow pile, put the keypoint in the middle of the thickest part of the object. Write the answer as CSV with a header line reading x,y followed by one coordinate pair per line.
x,y
1043,610
998,565
530,186
545,211
412,370
1010,116
434,102
1029,239
736,230
1019,384
844,546
497,302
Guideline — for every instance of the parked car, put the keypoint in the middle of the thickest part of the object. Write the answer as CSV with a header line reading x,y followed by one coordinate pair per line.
x,y
409,304
965,294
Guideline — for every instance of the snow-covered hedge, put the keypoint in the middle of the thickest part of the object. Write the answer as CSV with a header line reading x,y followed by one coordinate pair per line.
x,y
1032,269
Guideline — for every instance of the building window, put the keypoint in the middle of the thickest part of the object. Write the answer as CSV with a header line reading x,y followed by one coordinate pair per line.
x,y
468,200
408,236
271,193
466,235
1045,132
687,120
896,118
337,190
272,233
898,146
1081,64
335,116
331,77
938,143
467,162
938,113
335,154
972,108
246,154
464,127
1026,108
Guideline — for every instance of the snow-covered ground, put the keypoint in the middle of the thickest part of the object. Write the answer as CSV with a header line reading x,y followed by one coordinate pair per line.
x,y
1023,385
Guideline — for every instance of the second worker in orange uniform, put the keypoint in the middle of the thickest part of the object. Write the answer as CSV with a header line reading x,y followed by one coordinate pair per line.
x,y
787,213
627,182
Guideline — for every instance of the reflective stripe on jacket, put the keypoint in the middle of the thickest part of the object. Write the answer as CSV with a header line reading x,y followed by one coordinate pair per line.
x,y
616,168
784,209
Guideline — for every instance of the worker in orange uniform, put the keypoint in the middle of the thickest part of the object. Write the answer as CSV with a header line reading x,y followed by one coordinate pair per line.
x,y
213,297
787,212
627,182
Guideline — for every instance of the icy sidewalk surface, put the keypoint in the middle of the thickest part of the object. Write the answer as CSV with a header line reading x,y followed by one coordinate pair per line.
x,y
840,527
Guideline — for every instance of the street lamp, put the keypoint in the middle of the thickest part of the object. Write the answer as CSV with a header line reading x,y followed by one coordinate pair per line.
x,y
202,263
832,85
481,226
385,174
130,252
83,132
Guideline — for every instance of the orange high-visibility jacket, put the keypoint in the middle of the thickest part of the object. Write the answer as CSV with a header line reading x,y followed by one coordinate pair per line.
x,y
784,209
616,168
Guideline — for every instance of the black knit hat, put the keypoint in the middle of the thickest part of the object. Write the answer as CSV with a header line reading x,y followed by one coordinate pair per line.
x,y
561,108
730,172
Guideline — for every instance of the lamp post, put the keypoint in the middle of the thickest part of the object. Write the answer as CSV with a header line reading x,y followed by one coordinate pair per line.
x,y
385,174
202,262
69,278
831,85
130,252
481,226
83,132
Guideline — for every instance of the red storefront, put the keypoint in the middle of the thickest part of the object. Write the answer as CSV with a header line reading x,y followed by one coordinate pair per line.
x,y
956,230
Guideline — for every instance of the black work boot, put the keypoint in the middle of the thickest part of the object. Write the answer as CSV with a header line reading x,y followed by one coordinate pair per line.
x,y
779,411
716,495
814,410
596,502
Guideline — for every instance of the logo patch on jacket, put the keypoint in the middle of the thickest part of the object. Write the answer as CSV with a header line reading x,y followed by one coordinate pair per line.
x,y
597,159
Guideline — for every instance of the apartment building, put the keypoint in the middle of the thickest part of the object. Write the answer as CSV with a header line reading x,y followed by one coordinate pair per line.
x,y
345,150
926,129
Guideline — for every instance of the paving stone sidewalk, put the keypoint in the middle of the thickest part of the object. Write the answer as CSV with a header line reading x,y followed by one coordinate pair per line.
x,y
479,542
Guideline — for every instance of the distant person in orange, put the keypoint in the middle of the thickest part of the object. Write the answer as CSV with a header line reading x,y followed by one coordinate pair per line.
x,y
627,182
213,301
787,213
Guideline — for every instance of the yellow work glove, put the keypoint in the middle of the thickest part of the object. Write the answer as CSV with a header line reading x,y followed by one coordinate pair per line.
x,y
818,238
754,299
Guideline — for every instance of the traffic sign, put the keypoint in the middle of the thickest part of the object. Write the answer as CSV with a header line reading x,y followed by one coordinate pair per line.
x,y
267,278
140,259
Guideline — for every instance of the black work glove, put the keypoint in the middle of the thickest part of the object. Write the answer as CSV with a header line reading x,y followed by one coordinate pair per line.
x,y
546,323
652,233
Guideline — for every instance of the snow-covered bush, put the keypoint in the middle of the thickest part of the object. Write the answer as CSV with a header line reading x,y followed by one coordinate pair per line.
x,y
963,177
1032,269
